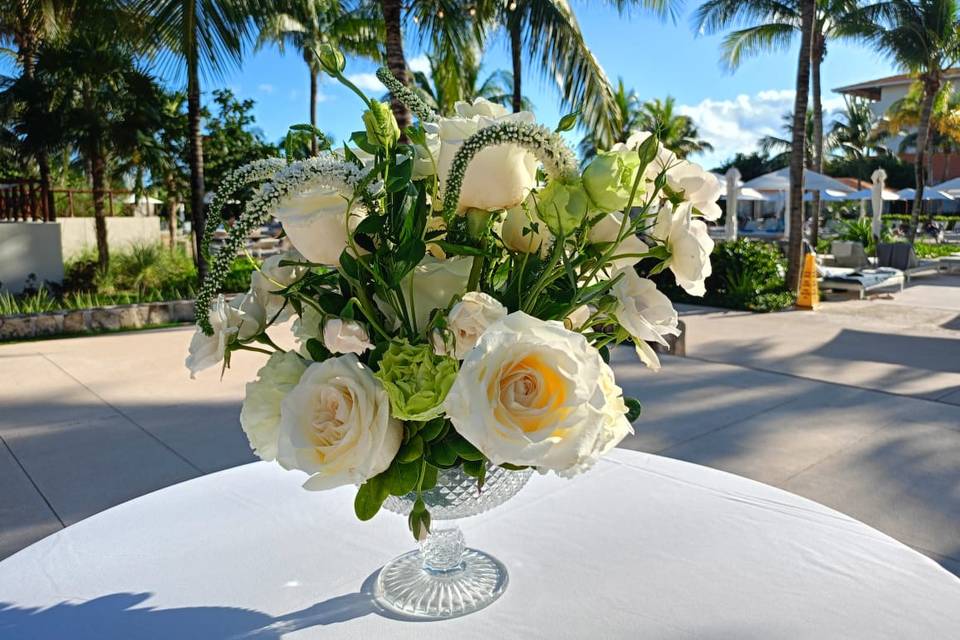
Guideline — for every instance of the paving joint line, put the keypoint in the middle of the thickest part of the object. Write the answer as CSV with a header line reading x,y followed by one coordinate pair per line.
x,y
126,417
32,482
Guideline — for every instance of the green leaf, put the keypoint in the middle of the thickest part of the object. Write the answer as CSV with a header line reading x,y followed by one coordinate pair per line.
x,y
370,497
371,225
512,467
442,454
568,122
402,478
318,352
433,429
464,449
474,468
452,249
412,450
429,480
360,139
349,266
633,408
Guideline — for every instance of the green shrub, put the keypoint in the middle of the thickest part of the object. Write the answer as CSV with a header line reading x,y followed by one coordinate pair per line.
x,y
747,274
237,279
930,250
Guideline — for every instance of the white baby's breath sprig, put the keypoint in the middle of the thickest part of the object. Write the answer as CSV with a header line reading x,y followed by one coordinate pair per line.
x,y
559,162
406,96
324,170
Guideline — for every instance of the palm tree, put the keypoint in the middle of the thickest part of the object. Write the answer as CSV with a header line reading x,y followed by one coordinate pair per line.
x,y
458,79
164,156
629,118
904,115
206,35
677,132
797,142
307,24
781,147
922,37
855,135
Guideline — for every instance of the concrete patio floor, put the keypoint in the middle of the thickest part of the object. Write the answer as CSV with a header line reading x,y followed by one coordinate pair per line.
x,y
856,406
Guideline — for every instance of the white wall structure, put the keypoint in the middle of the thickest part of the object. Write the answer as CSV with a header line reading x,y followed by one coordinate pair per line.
x,y
40,248
29,248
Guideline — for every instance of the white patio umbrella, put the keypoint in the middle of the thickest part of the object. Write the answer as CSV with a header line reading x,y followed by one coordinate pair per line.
x,y
780,181
133,199
867,194
951,187
827,195
929,193
733,182
878,177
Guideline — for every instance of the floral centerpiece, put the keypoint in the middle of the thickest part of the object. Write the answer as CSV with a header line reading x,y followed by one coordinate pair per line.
x,y
455,290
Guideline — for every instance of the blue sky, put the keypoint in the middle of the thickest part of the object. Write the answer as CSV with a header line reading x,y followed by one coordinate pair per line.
x,y
653,57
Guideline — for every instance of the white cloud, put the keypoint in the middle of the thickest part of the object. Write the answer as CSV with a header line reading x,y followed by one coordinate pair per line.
x,y
736,125
420,63
367,82
265,88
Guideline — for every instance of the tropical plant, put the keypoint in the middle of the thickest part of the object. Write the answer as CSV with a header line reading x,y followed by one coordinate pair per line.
x,y
854,134
232,137
450,80
677,132
629,118
305,25
922,37
903,117
781,146
751,165
205,36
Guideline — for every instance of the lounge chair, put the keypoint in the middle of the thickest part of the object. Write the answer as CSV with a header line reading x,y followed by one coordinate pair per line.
x,y
849,254
900,255
860,281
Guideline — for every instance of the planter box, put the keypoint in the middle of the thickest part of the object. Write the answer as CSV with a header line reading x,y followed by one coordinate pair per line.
x,y
127,316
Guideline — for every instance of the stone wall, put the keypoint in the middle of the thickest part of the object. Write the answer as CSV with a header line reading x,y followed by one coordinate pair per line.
x,y
128,316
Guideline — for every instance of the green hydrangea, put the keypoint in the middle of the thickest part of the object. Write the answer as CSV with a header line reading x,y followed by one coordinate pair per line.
x,y
416,379
609,178
563,205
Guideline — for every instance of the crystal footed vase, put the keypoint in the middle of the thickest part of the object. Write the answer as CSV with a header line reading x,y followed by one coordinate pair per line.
x,y
444,578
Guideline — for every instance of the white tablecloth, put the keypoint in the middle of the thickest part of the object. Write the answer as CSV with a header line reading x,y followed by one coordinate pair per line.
x,y
640,547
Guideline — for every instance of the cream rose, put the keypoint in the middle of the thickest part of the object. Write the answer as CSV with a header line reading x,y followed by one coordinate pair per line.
x,y
498,177
607,229
523,232
240,319
260,414
307,325
316,223
272,277
645,313
345,336
534,393
470,317
335,425
689,243
435,283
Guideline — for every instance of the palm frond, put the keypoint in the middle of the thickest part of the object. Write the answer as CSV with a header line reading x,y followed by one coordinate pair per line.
x,y
752,41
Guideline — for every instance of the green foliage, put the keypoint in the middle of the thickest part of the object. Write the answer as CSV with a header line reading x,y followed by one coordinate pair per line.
x,y
899,173
752,164
861,230
232,138
747,274
930,250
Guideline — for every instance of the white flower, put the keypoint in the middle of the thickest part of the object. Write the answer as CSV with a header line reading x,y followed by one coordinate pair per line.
x,y
345,336
700,188
645,313
578,317
689,243
335,425
607,230
260,415
316,223
470,317
435,283
240,319
523,232
498,177
271,277
306,326
534,393
663,160
426,157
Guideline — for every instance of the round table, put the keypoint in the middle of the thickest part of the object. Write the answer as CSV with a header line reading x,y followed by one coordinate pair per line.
x,y
639,547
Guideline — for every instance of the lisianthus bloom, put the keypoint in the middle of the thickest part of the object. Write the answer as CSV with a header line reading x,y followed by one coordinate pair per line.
x,y
240,319
345,336
272,277
470,317
416,379
563,205
522,231
335,425
645,313
316,221
260,414
534,393
498,177
609,179
697,186
435,283
689,244
606,231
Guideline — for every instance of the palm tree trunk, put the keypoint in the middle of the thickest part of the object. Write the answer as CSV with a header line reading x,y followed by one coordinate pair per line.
x,y
198,218
797,150
931,85
396,61
172,202
313,111
46,192
516,51
816,61
97,174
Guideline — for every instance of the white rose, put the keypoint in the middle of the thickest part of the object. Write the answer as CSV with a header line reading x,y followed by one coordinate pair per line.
x,y
534,393
700,188
645,313
578,317
435,283
316,223
240,319
523,232
498,177
260,414
345,336
306,326
335,425
690,246
426,157
470,317
607,229
270,278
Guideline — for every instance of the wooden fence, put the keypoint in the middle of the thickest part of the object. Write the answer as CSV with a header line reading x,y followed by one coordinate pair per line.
x,y
21,200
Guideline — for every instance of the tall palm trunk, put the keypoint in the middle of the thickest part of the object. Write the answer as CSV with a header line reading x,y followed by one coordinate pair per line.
x,y
798,151
516,51
816,60
98,176
172,202
396,61
198,218
931,85
26,54
313,111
